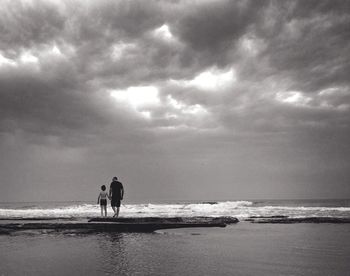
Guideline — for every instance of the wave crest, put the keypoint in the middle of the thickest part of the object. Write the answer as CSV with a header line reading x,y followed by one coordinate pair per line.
x,y
240,209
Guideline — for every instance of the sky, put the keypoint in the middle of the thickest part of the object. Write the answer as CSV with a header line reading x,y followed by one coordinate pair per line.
x,y
180,99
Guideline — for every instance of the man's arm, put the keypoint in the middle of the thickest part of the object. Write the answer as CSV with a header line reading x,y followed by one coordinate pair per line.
x,y
122,192
110,191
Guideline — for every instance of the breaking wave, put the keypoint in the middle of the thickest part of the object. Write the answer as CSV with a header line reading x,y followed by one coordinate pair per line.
x,y
240,209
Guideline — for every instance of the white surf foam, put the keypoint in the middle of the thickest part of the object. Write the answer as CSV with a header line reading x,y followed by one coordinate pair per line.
x,y
240,209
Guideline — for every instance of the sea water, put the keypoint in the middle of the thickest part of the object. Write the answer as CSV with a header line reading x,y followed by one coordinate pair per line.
x,y
239,249
240,209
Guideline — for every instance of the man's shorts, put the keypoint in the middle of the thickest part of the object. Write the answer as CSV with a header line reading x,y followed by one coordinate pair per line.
x,y
115,202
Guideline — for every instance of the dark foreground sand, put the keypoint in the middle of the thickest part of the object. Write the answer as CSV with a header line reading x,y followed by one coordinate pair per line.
x,y
240,249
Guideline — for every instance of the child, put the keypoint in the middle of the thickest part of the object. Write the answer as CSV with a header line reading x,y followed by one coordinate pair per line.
x,y
102,200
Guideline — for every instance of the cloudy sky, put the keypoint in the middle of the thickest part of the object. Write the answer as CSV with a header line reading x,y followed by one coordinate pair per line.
x,y
180,99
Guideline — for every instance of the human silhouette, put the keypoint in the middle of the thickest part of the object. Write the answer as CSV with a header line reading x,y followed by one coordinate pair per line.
x,y
116,194
102,200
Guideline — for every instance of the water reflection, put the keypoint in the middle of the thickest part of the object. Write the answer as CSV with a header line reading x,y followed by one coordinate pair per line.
x,y
113,257
127,254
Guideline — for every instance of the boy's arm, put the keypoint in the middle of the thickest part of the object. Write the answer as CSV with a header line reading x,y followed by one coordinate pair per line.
x,y
98,199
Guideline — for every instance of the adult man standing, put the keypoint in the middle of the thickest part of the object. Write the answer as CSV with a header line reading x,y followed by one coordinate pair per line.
x,y
116,194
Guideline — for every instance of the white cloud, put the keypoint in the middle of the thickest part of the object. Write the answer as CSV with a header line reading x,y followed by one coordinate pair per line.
x,y
55,50
212,79
163,32
137,96
325,99
332,91
32,57
6,61
28,57
146,114
195,109
175,103
293,97
25,58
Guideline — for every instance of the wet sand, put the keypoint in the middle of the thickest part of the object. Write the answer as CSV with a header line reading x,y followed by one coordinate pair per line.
x,y
240,249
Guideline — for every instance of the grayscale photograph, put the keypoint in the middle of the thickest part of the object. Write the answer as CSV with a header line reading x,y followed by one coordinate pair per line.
x,y
175,137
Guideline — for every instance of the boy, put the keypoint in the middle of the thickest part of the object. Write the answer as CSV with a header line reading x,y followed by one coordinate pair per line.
x,y
102,200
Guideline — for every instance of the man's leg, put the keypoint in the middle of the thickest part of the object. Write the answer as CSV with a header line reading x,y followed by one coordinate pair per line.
x,y
113,207
117,214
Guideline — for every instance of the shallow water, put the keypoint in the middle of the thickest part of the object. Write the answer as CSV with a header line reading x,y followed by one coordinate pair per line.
x,y
241,249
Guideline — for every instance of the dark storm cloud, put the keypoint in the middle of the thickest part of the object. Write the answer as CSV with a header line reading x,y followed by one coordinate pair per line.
x,y
53,95
25,24
305,46
215,25
311,44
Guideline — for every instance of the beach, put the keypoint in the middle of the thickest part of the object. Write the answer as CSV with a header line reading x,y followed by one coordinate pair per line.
x,y
241,249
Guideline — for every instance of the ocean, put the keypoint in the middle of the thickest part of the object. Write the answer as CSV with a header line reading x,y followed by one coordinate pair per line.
x,y
239,249
240,209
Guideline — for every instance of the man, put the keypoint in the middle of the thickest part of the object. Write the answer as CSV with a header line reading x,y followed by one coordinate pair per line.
x,y
116,194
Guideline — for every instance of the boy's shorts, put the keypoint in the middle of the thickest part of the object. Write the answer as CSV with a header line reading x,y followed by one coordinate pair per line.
x,y
103,202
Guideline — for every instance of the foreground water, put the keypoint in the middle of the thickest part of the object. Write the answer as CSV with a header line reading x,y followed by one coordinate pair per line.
x,y
239,209
241,249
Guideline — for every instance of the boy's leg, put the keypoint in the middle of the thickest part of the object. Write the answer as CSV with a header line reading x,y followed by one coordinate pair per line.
x,y
101,210
105,207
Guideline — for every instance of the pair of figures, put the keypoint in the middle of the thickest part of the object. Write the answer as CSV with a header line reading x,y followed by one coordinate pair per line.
x,y
115,195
